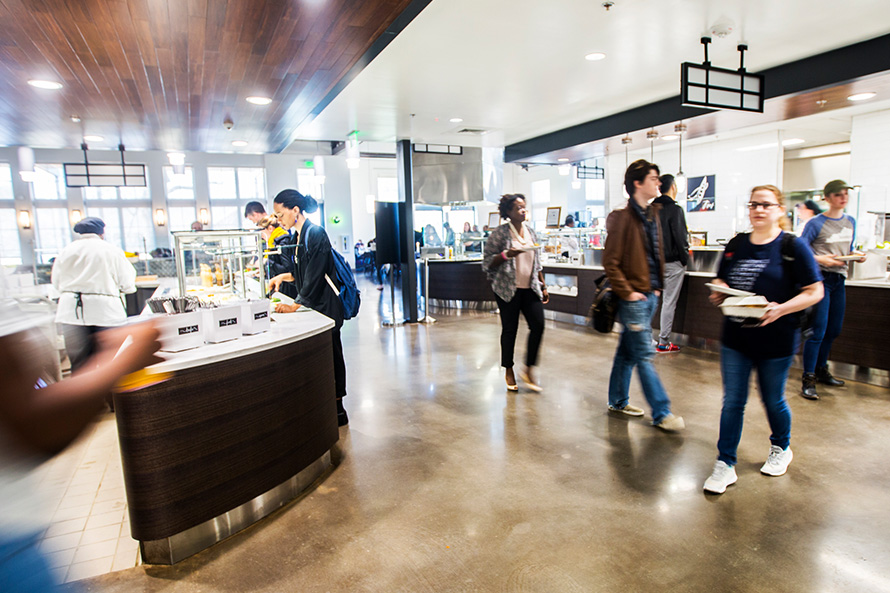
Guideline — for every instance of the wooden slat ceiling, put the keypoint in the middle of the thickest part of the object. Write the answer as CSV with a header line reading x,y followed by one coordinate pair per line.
x,y
164,74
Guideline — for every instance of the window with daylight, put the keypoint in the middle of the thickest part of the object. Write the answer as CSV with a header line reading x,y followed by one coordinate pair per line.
x,y
237,183
179,186
227,217
53,232
540,201
10,248
49,182
126,212
6,182
181,218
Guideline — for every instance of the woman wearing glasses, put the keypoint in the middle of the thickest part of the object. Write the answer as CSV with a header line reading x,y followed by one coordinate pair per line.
x,y
777,265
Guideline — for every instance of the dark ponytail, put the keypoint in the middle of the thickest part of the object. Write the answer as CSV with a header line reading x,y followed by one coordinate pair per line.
x,y
291,198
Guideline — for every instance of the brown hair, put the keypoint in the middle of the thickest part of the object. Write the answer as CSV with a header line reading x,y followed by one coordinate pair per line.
x,y
637,171
780,198
268,221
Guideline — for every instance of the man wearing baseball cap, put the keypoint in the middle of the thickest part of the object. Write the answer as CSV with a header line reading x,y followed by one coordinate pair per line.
x,y
830,235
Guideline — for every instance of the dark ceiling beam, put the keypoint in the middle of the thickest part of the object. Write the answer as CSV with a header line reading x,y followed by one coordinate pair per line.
x,y
822,70
402,21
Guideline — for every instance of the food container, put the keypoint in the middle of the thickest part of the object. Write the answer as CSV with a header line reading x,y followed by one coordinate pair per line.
x,y
255,317
182,331
222,323
748,306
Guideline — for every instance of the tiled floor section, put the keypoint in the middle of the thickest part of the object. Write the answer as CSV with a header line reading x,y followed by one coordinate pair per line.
x,y
89,533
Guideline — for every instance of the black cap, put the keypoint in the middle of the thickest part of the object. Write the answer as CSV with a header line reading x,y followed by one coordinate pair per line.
x,y
89,225
811,205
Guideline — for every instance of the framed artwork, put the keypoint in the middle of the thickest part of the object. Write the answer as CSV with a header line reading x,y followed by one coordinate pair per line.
x,y
701,193
553,214
494,220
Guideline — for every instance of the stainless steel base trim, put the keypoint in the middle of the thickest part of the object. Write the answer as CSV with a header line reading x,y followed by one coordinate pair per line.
x,y
191,541
454,304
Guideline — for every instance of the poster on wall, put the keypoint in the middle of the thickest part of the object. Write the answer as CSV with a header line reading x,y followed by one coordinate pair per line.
x,y
701,192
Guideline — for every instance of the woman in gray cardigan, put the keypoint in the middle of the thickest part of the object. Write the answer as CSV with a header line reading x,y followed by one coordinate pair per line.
x,y
512,262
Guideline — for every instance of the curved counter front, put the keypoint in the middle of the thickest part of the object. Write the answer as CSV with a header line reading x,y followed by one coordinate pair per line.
x,y
240,429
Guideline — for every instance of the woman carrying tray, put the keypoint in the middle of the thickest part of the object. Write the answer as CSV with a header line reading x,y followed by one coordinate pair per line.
x,y
754,262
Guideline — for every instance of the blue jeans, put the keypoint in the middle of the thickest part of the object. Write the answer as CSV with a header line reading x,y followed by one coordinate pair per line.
x,y
829,320
771,375
635,350
23,567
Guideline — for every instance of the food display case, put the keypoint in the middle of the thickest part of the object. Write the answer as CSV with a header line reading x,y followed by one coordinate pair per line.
x,y
572,245
220,266
562,284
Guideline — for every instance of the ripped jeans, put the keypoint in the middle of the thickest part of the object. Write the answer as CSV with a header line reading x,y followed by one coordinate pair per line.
x,y
635,350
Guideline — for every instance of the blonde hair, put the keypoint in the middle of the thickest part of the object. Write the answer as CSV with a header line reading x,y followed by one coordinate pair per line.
x,y
268,221
784,224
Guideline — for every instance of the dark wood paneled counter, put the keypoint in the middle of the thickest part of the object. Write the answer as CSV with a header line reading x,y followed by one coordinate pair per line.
x,y
862,341
224,441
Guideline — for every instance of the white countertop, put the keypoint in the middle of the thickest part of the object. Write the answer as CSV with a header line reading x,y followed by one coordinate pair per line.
x,y
286,328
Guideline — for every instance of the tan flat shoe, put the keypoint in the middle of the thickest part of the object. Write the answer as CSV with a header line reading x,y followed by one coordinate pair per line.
x,y
529,383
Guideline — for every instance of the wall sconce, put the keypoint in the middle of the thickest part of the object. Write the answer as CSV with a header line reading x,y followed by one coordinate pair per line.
x,y
25,219
75,216
204,216
160,217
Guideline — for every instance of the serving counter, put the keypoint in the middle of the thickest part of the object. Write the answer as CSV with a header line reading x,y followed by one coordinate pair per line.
x,y
862,342
240,429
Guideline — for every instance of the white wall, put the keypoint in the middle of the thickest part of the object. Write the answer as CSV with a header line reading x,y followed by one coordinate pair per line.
x,y
363,183
813,173
869,164
737,171
519,181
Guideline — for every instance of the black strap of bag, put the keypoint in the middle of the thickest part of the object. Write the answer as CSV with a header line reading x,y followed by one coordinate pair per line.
x,y
808,315
605,306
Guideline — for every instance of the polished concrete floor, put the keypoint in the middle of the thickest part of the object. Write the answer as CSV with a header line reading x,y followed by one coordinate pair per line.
x,y
445,482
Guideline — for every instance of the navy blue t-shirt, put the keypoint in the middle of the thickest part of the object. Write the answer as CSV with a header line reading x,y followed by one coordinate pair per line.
x,y
759,269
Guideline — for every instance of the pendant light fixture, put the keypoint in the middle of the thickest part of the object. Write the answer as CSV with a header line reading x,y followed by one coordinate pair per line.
x,y
626,141
680,178
652,136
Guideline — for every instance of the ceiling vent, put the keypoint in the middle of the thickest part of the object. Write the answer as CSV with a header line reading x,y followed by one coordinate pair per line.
x,y
473,131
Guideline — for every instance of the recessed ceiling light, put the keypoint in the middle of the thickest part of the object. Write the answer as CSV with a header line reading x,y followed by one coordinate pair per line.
x,y
861,96
455,120
793,141
94,138
595,57
239,143
46,84
563,160
670,137
259,100
75,119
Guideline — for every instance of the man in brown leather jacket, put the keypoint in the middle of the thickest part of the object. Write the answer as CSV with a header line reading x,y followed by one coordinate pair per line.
x,y
634,262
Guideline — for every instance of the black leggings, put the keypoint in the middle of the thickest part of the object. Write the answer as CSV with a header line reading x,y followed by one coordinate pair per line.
x,y
339,364
526,301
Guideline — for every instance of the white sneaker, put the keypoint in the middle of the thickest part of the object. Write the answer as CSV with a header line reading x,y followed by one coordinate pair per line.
x,y
628,409
722,476
671,423
777,462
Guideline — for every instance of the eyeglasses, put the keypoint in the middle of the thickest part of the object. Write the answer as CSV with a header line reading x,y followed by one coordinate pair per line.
x,y
764,205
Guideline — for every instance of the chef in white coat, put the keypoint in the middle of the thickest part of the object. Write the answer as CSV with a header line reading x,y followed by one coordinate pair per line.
x,y
91,276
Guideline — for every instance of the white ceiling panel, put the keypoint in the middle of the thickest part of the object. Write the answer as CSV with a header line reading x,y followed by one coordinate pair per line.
x,y
517,67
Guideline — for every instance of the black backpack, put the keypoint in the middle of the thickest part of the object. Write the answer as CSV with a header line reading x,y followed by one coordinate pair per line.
x,y
807,317
604,307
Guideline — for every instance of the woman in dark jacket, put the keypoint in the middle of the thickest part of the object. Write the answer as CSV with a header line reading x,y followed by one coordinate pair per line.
x,y
312,261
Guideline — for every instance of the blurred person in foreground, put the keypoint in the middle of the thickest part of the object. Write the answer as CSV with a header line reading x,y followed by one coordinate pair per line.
x,y
633,258
39,419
